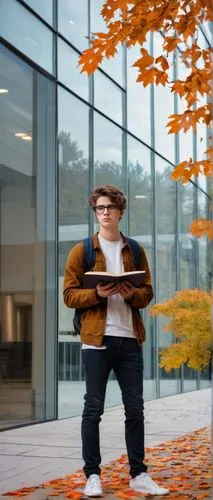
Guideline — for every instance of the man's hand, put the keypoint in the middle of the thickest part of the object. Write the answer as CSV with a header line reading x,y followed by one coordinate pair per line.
x,y
126,290
107,290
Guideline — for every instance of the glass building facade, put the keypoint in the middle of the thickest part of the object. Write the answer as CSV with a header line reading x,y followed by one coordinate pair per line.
x,y
62,133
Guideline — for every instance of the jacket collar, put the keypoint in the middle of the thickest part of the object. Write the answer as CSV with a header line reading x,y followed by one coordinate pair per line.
x,y
97,244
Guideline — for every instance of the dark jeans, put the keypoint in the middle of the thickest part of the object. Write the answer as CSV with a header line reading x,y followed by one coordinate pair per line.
x,y
124,356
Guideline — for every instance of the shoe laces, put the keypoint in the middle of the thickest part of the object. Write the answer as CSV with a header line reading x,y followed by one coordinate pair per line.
x,y
94,480
148,479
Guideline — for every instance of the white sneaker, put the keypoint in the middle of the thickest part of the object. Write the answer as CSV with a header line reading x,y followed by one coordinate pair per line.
x,y
93,487
144,484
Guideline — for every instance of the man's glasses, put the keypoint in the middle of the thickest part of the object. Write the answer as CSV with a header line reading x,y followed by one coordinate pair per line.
x,y
99,209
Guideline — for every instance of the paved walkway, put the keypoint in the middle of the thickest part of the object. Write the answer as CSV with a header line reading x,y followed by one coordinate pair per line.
x,y
36,454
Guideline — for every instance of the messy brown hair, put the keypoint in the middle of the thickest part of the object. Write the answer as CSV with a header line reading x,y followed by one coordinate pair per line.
x,y
113,192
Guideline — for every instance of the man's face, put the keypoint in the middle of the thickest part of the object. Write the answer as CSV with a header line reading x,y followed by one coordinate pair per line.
x,y
108,214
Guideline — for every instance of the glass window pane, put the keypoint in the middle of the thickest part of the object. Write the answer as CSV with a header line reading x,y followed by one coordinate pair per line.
x,y
165,228
166,259
185,139
68,71
73,227
108,97
140,192
114,65
43,8
138,100
140,228
73,164
108,167
206,377
187,241
207,29
164,106
204,246
97,22
187,260
107,152
27,148
73,21
27,33
202,144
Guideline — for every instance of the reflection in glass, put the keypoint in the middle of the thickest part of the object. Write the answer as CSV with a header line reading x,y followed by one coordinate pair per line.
x,y
68,70
73,227
108,165
114,65
165,200
73,162
107,153
202,144
140,192
24,328
43,8
73,22
140,228
204,247
187,260
187,241
108,97
165,228
185,139
138,100
19,27
164,107
97,22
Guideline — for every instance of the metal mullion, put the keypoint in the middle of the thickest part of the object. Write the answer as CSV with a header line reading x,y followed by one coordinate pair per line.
x,y
177,137
177,221
91,171
57,180
196,254
154,246
57,240
124,134
55,15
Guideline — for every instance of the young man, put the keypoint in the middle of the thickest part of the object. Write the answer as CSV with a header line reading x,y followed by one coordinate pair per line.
x,y
112,332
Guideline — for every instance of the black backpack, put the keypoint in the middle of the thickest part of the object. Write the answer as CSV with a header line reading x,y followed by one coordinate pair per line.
x,y
88,263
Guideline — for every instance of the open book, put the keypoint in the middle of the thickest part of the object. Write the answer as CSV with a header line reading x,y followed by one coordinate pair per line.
x,y
91,278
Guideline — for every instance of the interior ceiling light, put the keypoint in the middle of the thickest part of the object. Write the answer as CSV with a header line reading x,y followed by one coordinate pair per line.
x,y
26,138
4,91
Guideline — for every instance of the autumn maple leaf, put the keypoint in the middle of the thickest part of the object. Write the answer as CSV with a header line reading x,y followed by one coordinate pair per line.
x,y
201,227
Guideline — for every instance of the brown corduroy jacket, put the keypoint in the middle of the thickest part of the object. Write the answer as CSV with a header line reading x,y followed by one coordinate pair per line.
x,y
94,318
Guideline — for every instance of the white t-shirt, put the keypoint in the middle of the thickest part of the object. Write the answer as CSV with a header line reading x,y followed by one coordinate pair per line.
x,y
119,313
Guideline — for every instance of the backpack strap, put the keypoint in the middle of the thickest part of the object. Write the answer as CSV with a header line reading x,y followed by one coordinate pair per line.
x,y
89,254
135,247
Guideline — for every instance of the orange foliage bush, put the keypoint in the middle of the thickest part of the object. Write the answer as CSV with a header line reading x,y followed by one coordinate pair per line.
x,y
190,321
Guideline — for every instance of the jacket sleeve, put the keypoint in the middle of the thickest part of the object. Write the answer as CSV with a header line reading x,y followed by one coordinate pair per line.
x,y
74,294
142,296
